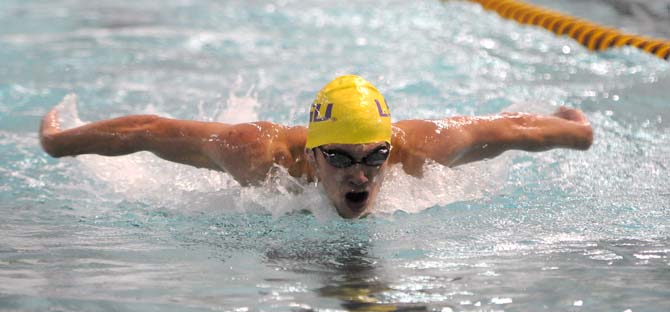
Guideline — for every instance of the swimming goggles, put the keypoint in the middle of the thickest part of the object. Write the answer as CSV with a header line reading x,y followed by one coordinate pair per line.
x,y
341,159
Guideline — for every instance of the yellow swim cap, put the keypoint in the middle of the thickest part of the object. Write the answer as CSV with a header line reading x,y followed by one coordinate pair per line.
x,y
348,110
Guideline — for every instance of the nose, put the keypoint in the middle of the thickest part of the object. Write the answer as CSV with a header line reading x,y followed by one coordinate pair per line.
x,y
358,176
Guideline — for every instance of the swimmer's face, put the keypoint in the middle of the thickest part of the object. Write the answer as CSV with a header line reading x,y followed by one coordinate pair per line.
x,y
351,174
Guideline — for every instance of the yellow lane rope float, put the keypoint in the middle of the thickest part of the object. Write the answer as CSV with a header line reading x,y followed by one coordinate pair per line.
x,y
593,36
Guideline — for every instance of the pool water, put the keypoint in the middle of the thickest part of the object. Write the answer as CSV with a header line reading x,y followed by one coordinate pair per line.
x,y
556,231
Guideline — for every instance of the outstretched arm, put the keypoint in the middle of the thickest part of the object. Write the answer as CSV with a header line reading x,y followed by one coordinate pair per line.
x,y
459,140
174,140
246,151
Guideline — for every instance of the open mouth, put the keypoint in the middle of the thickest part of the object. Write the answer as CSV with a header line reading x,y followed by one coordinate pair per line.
x,y
356,197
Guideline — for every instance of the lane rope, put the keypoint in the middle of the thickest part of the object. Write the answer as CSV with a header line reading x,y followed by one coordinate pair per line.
x,y
593,36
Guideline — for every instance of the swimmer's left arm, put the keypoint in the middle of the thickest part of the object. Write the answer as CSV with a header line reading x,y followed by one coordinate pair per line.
x,y
459,140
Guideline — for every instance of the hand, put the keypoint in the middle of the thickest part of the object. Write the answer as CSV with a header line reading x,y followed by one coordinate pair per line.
x,y
571,114
49,127
583,130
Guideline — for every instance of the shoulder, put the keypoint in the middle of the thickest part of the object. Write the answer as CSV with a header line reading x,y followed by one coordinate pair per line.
x,y
414,133
420,132
408,143
258,132
415,141
249,150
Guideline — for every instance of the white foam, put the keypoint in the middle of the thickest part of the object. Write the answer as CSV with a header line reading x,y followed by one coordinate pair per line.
x,y
239,109
67,112
440,185
145,178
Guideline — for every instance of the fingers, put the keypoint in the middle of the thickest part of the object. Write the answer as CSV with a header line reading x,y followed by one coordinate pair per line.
x,y
571,114
48,130
50,123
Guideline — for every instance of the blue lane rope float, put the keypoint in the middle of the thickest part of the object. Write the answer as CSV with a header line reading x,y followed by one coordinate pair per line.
x,y
593,36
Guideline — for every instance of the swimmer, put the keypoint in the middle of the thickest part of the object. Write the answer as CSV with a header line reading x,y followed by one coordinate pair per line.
x,y
347,146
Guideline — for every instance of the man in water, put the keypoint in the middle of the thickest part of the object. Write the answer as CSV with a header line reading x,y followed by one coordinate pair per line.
x,y
347,146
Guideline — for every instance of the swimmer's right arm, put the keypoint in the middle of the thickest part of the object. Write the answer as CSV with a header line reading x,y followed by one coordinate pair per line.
x,y
173,140
246,151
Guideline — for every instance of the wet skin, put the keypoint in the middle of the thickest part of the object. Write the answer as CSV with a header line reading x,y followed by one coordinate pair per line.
x,y
352,190
250,151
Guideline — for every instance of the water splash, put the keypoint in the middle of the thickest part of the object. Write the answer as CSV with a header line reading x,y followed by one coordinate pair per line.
x,y
144,177
68,113
239,109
